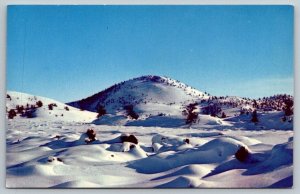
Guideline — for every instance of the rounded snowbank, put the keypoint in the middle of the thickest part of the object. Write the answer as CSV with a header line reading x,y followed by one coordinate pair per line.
x,y
215,151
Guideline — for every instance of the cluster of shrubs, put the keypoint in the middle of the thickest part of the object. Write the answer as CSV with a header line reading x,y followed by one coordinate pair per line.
x,y
277,102
27,111
213,109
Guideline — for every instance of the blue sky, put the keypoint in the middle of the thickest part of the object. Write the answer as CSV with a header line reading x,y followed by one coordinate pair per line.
x,y
70,52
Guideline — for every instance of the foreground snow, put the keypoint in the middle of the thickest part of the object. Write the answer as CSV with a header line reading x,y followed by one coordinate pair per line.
x,y
53,153
47,142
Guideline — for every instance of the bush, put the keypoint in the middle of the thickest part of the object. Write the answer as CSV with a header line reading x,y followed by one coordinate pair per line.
x,y
8,96
20,109
91,136
130,112
12,113
187,141
242,154
130,138
101,111
288,107
192,116
223,115
50,106
39,103
254,117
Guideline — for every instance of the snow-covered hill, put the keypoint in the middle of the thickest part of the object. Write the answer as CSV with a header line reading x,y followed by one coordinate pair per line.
x,y
148,94
37,107
164,102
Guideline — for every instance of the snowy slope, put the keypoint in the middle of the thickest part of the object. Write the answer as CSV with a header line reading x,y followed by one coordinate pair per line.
x,y
151,94
59,111
158,101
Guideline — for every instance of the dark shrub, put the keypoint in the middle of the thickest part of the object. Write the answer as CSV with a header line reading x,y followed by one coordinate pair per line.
x,y
288,108
20,109
39,103
223,115
186,141
50,106
91,135
130,112
8,96
101,111
192,116
12,113
242,154
254,117
130,138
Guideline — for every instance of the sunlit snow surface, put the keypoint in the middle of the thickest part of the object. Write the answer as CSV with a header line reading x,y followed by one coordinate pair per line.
x,y
207,161
50,150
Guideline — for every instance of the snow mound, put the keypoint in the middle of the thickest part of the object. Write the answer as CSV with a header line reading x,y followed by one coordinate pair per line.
x,y
216,150
281,155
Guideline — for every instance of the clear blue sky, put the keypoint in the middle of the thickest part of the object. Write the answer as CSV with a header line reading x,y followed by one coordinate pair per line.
x,y
70,52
